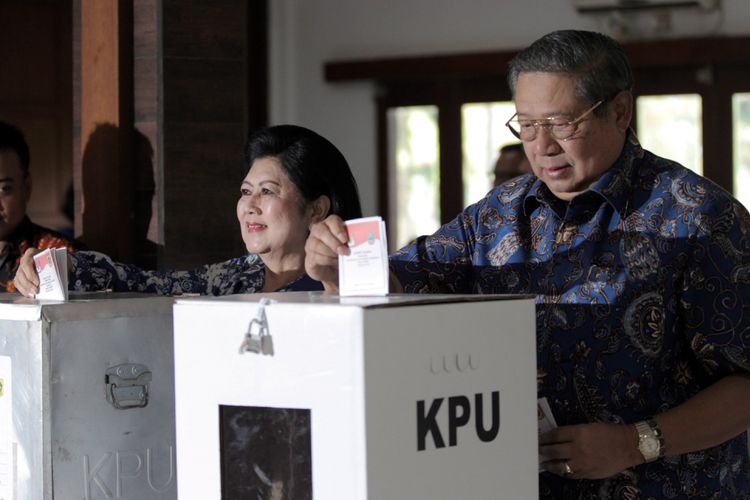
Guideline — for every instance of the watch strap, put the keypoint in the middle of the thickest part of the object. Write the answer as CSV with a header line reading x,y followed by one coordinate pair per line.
x,y
657,432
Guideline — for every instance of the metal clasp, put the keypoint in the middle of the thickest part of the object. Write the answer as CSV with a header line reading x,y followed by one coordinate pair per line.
x,y
258,338
127,385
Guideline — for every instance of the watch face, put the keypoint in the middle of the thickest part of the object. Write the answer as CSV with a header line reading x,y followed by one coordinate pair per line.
x,y
649,446
648,443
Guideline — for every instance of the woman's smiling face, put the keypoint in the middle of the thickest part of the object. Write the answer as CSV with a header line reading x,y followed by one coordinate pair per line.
x,y
274,218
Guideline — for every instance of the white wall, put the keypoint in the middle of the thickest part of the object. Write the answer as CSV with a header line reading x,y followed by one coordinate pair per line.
x,y
305,34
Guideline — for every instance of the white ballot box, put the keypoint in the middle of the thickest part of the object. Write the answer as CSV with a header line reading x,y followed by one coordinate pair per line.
x,y
328,397
87,398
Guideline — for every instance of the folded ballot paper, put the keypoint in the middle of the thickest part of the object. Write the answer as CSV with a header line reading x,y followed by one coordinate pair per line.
x,y
365,270
52,268
546,422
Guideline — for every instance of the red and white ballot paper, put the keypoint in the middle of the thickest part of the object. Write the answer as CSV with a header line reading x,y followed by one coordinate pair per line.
x,y
365,270
52,268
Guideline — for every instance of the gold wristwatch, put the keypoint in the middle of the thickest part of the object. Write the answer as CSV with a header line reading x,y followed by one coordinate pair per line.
x,y
650,440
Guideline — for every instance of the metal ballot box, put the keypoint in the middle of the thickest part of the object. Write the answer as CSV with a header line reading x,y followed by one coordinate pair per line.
x,y
305,395
87,398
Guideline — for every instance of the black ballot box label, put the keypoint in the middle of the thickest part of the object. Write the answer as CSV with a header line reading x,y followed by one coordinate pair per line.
x,y
265,452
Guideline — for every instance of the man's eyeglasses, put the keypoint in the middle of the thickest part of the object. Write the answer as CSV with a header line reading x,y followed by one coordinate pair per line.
x,y
559,128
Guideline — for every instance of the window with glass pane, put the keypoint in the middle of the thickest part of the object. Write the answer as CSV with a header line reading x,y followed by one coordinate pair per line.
x,y
483,134
671,126
413,173
741,146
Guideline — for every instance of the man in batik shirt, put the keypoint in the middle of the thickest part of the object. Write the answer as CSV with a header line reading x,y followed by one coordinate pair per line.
x,y
17,232
641,270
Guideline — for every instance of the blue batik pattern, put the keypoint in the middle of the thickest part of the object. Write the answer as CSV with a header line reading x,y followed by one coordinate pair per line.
x,y
642,286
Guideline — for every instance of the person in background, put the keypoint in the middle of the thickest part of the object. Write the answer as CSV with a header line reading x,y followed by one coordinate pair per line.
x,y
641,272
17,232
511,163
293,178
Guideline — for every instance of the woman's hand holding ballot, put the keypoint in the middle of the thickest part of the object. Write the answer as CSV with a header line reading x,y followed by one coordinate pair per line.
x,y
327,240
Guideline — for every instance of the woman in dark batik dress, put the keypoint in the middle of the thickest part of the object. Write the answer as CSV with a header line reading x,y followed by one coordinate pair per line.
x,y
293,178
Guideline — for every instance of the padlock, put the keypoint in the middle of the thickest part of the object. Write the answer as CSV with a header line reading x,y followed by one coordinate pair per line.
x,y
258,339
266,344
252,343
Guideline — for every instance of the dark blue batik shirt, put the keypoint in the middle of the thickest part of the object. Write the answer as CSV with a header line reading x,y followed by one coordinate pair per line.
x,y
643,300
94,271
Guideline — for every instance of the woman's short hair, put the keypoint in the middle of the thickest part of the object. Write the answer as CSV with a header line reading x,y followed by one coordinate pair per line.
x,y
313,164
596,63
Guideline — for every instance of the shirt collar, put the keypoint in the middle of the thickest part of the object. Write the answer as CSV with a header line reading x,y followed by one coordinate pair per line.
x,y
615,185
20,233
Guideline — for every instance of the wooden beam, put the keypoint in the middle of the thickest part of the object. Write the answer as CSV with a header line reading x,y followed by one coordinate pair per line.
x,y
419,68
482,64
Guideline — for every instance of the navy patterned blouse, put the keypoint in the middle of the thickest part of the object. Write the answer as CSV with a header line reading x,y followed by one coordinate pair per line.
x,y
95,271
643,300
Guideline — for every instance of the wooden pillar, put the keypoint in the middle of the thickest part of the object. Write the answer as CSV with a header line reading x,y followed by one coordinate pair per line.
x,y
104,117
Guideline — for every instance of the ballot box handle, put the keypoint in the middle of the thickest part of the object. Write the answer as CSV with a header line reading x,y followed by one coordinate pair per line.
x,y
257,338
127,385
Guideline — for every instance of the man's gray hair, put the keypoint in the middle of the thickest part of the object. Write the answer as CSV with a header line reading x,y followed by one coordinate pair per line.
x,y
596,63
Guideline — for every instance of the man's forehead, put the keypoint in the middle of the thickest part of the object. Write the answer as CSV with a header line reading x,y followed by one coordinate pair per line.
x,y
546,94
10,164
